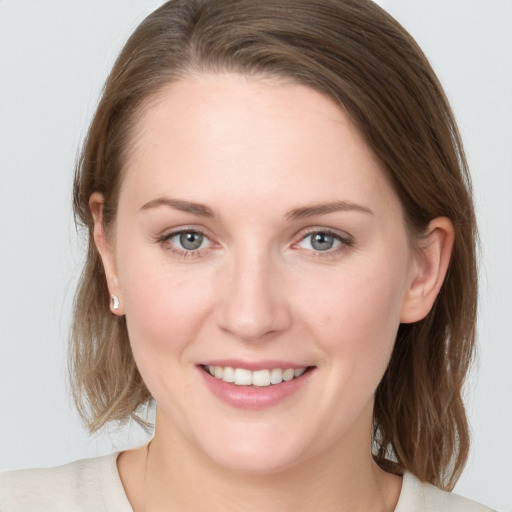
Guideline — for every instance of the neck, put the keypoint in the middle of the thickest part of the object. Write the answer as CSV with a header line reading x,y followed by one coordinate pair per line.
x,y
171,474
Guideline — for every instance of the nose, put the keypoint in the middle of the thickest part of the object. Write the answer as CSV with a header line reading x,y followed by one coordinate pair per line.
x,y
254,304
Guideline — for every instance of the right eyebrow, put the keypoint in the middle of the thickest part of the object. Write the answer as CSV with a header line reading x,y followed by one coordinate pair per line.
x,y
325,208
183,206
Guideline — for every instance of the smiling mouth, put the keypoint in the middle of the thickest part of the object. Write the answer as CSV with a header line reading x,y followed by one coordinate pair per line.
x,y
259,378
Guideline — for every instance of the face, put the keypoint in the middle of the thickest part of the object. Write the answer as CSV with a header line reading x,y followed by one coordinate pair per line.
x,y
258,241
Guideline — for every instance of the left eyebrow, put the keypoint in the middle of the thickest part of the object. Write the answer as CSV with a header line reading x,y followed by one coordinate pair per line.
x,y
178,204
322,209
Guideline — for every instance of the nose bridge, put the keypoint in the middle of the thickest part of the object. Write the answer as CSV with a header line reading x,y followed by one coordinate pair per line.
x,y
253,304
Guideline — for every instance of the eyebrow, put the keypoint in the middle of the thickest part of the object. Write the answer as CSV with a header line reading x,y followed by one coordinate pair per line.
x,y
178,204
322,209
295,214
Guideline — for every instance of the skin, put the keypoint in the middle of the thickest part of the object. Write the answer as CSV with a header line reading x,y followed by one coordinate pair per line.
x,y
252,151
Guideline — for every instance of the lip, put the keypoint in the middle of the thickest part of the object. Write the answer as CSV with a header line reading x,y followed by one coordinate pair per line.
x,y
253,397
252,365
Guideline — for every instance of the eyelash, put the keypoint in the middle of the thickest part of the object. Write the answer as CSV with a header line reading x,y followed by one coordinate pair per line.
x,y
165,242
344,242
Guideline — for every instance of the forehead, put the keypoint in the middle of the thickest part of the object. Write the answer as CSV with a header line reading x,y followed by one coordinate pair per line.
x,y
253,138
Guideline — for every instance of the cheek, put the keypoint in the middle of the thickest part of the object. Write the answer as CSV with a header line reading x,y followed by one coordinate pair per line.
x,y
165,312
356,315
361,306
165,306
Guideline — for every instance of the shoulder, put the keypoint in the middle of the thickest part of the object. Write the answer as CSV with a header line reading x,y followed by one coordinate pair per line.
x,y
84,485
423,497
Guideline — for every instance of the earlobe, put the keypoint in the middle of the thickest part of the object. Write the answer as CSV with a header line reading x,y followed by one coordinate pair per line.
x,y
96,202
429,270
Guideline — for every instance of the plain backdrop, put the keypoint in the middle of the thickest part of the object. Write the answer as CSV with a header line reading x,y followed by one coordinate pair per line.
x,y
54,58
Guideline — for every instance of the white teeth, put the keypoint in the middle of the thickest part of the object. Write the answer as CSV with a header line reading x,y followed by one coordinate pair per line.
x,y
228,375
260,378
299,371
276,376
288,374
243,377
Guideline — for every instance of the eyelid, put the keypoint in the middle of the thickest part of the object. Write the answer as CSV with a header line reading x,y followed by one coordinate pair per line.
x,y
164,237
204,240
345,239
168,232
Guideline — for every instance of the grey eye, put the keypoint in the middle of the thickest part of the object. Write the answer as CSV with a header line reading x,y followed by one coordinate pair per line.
x,y
190,240
322,241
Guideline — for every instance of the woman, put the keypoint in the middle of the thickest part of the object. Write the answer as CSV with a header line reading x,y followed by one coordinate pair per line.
x,y
282,258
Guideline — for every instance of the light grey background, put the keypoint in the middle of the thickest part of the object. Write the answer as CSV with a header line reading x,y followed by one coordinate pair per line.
x,y
54,57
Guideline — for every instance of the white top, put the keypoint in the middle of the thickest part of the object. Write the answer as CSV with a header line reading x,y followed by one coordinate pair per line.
x,y
94,485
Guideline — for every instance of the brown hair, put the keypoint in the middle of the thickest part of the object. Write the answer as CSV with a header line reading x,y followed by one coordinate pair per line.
x,y
354,52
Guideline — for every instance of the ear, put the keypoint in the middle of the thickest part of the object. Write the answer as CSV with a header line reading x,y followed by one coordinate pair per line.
x,y
96,202
428,270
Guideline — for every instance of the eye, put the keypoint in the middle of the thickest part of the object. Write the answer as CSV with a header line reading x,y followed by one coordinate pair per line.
x,y
188,240
319,242
323,241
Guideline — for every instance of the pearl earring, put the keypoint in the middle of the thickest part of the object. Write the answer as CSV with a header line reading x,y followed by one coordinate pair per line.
x,y
115,302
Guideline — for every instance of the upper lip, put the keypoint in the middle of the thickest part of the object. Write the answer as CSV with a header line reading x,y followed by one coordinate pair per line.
x,y
253,365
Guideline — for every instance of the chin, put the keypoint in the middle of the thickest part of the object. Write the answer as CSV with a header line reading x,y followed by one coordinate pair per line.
x,y
254,454
264,463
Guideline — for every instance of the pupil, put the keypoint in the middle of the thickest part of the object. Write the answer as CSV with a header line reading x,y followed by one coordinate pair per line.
x,y
191,241
322,241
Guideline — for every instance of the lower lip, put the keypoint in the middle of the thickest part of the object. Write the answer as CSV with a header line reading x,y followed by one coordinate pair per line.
x,y
253,397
